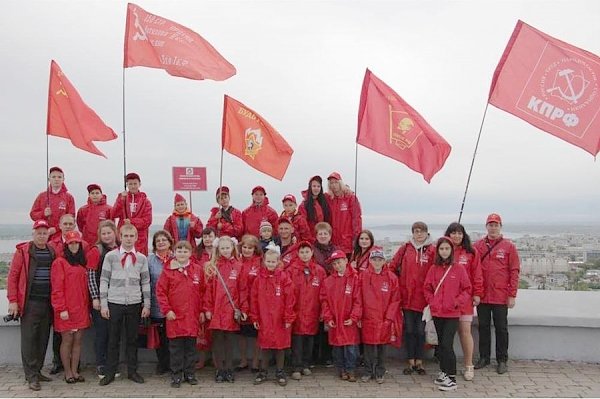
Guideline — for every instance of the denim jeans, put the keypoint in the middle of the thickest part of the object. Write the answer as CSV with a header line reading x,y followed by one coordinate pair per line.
x,y
345,357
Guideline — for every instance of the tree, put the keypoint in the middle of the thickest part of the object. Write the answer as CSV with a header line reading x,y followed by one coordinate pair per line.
x,y
523,284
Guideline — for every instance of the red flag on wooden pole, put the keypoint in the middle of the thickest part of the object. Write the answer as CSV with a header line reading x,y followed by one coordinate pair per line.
x,y
69,117
391,127
248,136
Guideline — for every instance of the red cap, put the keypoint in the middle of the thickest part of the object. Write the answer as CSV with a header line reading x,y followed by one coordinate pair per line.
x,y
179,198
494,217
289,197
222,190
337,254
334,175
40,224
261,188
56,169
283,219
93,187
305,244
72,236
132,176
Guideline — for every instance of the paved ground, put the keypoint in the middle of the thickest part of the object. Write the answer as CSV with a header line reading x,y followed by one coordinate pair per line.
x,y
524,379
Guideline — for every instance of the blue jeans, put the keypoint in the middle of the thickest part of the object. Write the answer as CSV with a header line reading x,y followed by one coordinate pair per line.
x,y
101,338
345,357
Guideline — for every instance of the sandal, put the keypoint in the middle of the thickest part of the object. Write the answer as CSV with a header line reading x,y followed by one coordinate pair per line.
x,y
408,371
419,369
260,378
70,380
79,378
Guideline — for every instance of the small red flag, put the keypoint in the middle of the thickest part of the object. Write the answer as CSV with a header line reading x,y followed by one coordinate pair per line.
x,y
70,118
248,136
550,84
157,42
391,127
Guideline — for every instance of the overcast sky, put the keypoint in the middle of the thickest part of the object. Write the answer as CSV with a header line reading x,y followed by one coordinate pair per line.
x,y
300,64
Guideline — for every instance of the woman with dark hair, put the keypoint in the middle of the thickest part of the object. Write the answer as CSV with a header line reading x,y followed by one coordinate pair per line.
x,y
314,206
362,249
465,255
161,256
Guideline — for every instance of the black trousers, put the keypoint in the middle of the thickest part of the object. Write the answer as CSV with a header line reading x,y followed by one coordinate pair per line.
x,y
163,351
222,348
56,342
302,348
446,330
414,334
375,360
322,349
127,316
183,356
35,333
266,354
499,313
101,326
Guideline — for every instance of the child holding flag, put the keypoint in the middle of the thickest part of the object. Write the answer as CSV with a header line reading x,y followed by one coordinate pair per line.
x,y
133,207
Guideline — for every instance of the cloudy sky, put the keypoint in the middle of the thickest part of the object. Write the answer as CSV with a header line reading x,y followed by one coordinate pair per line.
x,y
300,65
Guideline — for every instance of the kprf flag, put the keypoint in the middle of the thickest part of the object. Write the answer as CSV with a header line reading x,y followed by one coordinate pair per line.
x,y
550,84
70,118
391,127
248,136
157,42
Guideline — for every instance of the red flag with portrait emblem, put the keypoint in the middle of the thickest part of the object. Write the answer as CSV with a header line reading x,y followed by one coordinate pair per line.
x,y
550,84
391,127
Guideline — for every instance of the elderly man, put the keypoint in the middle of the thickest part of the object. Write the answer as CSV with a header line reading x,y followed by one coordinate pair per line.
x,y
500,265
29,298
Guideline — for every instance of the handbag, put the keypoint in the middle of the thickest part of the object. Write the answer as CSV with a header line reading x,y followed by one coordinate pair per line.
x,y
430,333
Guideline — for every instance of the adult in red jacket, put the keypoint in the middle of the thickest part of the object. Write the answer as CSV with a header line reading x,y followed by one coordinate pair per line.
x,y
257,212
466,256
447,289
341,309
314,205
500,265
70,303
134,207
346,215
28,293
362,250
308,277
381,307
291,212
179,293
54,202
92,213
413,260
225,219
182,224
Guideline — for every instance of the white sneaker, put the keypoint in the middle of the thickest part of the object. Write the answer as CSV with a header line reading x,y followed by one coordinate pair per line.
x,y
469,373
306,371
296,375
448,385
441,378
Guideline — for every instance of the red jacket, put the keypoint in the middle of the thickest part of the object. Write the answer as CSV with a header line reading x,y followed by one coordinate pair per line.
x,y
301,229
272,306
307,288
202,259
452,295
18,275
290,254
60,203
381,305
89,216
255,214
319,215
341,300
472,265
138,210
215,298
69,292
180,290
233,228
193,232
362,260
346,220
413,270
57,243
250,269
500,269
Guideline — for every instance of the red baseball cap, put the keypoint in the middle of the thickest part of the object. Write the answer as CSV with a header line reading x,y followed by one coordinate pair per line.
x,y
305,244
179,198
222,190
56,169
289,197
494,217
72,236
40,224
337,254
261,188
284,219
93,187
334,175
132,176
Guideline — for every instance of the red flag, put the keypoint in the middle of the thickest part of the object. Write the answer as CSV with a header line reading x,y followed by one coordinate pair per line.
x,y
550,84
156,42
391,127
248,136
70,118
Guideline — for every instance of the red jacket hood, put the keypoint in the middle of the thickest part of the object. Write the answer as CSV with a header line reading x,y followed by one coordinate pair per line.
x,y
63,189
101,202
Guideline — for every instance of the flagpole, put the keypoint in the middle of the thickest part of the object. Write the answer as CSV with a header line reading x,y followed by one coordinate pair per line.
x,y
47,174
124,153
473,162
356,170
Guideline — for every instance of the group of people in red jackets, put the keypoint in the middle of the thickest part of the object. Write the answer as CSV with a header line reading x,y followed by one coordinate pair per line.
x,y
309,281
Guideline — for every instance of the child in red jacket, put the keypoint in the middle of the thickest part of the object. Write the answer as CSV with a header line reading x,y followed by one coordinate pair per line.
x,y
223,276
447,289
290,211
179,294
182,224
258,211
381,305
272,313
71,302
91,214
308,278
341,308
225,219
